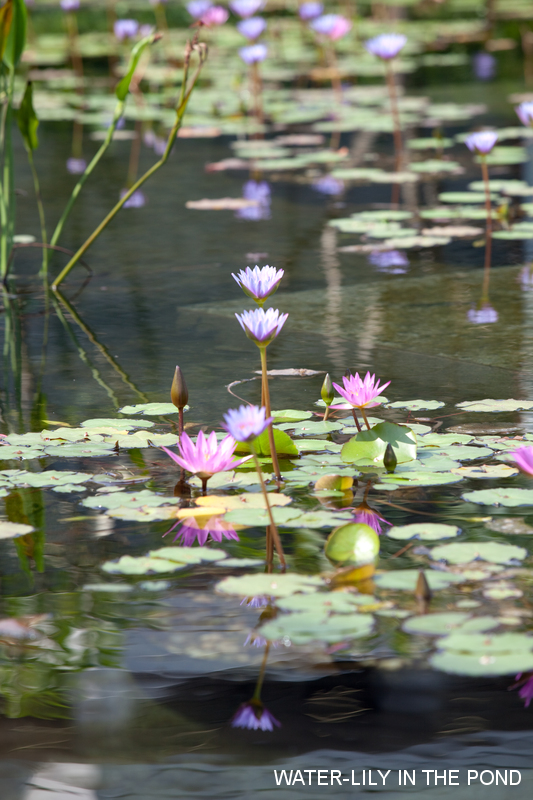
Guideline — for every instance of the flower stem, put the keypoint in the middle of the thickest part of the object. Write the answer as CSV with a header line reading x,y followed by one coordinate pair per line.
x,y
37,188
398,147
261,678
204,486
362,410
326,415
488,230
356,420
273,526
266,395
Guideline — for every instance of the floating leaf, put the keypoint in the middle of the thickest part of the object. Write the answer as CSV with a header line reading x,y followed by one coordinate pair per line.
x,y
486,471
510,525
324,603
406,579
496,405
305,627
311,428
354,543
435,624
368,447
166,559
484,654
260,584
509,497
128,499
416,405
464,197
427,531
10,530
291,415
282,442
258,517
464,552
121,424
417,479
151,409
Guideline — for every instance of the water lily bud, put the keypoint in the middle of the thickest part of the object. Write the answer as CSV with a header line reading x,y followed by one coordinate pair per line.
x,y
422,590
326,391
179,393
389,459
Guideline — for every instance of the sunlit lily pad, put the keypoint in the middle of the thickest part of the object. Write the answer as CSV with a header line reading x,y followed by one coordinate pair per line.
x,y
427,531
496,405
323,603
484,654
166,559
307,627
421,478
151,409
144,497
311,428
122,424
258,517
405,580
509,497
10,530
282,442
464,197
486,471
46,478
368,447
291,415
465,552
260,584
510,525
416,405
435,624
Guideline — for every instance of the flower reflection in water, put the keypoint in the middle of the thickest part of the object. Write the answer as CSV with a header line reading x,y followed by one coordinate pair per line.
x,y
394,262
257,601
259,191
328,185
76,166
137,200
525,682
192,531
483,314
254,716
369,516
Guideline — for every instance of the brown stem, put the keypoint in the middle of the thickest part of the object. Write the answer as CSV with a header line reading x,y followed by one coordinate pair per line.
x,y
398,147
204,485
363,412
259,684
257,92
272,526
326,415
269,549
488,230
356,420
180,421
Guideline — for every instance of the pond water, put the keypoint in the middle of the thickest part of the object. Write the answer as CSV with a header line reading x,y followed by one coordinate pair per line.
x,y
120,680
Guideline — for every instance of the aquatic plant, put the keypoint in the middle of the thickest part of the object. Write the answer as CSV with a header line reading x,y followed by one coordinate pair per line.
x,y
206,457
125,29
310,10
525,113
246,8
197,8
214,16
361,393
252,28
327,394
259,283
481,143
524,459
192,531
254,717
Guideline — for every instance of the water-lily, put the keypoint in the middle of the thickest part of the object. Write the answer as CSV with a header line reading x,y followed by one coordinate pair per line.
x,y
524,459
525,113
387,45
197,8
246,8
481,142
259,283
207,456
69,5
361,393
253,53
254,716
252,28
216,15
394,262
260,192
191,530
76,166
525,682
332,26
125,29
262,326
483,314
310,10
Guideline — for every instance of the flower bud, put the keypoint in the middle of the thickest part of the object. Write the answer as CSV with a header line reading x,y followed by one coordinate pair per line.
x,y
389,459
326,391
179,393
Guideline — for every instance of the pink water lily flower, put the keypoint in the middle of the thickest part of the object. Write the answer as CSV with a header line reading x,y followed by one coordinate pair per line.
x,y
207,456
216,15
524,459
361,393
333,26
259,283
368,516
254,716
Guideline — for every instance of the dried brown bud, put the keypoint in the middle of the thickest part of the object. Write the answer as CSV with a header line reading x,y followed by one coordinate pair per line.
x,y
179,393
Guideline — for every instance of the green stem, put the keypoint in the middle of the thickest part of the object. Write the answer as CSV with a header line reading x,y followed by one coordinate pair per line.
x,y
8,190
266,396
42,220
261,678
273,526
184,99
119,110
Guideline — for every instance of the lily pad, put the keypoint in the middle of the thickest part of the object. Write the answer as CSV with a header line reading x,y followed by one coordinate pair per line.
x,y
324,603
307,627
496,406
465,552
426,531
368,447
151,409
509,497
311,428
282,442
258,517
405,580
122,424
484,654
484,471
464,197
435,624
260,584
128,499
10,530
291,415
421,478
416,405
354,543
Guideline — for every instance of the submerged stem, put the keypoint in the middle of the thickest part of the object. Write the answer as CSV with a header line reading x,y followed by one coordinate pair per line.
x,y
261,678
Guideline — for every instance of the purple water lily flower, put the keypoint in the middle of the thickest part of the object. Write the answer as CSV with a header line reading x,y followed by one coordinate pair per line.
x,y
526,690
252,28
257,601
361,393
310,10
137,200
392,261
256,640
259,191
69,5
524,459
145,30
207,456
370,517
333,26
76,166
125,29
253,53
482,315
192,531
216,15
525,113
262,326
481,142
254,716
197,8
328,185
246,8
259,283
387,45
246,422
484,65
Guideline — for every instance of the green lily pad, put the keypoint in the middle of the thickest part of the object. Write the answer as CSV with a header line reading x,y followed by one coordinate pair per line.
x,y
123,499
122,424
260,584
464,552
464,197
421,478
416,405
315,445
484,654
405,579
282,442
509,497
435,165
151,409
496,406
484,471
513,234
442,440
368,447
505,155
166,559
68,488
46,478
291,415
435,624
258,517
426,531
311,428
85,450
324,603
304,628
354,543
10,530
429,142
